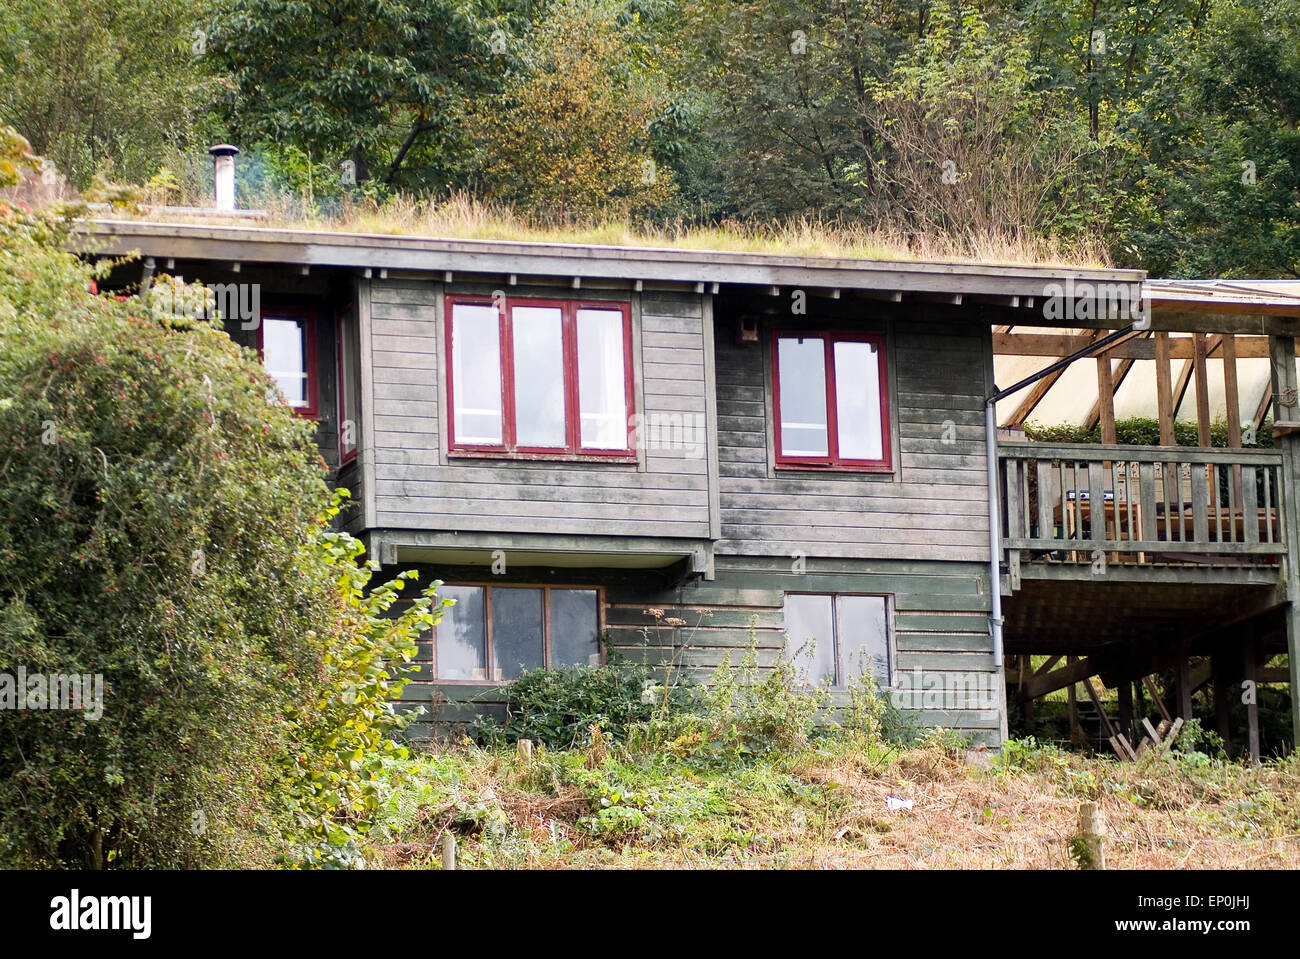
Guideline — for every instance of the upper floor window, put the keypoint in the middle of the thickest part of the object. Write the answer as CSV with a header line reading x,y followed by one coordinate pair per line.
x,y
838,638
540,376
831,400
286,341
494,633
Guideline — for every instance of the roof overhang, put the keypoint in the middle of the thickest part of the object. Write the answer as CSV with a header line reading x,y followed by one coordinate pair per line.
x,y
264,245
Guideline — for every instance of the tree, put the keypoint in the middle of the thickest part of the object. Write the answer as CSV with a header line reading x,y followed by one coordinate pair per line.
x,y
1224,175
383,84
164,533
570,137
104,83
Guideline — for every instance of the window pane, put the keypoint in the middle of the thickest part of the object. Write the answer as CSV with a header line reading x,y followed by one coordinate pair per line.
x,y
461,634
476,373
349,389
575,628
284,353
602,388
810,636
802,366
857,400
539,376
516,631
864,637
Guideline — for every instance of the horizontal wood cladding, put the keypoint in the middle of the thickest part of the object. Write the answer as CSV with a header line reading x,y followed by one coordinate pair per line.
x,y
940,631
933,507
418,485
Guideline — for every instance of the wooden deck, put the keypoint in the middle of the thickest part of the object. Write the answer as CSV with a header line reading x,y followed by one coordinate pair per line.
x,y
1158,504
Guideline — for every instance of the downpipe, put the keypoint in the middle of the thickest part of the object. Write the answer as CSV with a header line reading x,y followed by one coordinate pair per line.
x,y
995,528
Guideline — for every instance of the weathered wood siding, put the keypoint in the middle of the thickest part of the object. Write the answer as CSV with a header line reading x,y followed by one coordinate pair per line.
x,y
418,486
934,507
940,632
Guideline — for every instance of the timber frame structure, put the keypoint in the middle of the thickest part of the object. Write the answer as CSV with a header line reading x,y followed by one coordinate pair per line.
x,y
1156,568
1160,569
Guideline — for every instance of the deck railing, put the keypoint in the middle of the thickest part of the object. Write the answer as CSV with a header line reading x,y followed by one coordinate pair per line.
x,y
1140,504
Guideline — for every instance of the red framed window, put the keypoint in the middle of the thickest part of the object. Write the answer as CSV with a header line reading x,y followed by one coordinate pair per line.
x,y
286,342
540,377
349,388
831,400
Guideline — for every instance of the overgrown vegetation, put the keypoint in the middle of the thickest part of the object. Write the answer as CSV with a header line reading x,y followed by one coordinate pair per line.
x,y
1152,134
1143,431
164,533
835,803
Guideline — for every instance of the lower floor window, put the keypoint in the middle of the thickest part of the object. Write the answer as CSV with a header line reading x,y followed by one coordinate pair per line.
x,y
494,633
837,638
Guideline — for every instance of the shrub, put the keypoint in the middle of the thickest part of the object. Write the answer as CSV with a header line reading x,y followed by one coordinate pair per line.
x,y
163,526
556,707
1138,431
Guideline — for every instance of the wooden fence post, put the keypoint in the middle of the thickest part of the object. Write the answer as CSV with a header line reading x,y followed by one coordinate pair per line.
x,y
448,850
1089,847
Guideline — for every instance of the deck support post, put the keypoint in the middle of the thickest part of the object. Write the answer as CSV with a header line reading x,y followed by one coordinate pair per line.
x,y
1250,663
1222,697
1282,355
1125,694
1073,707
1184,684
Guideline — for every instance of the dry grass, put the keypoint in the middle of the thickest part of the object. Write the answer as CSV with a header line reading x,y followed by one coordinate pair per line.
x,y
828,809
464,217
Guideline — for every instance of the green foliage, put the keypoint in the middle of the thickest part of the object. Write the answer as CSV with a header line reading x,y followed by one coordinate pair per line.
x,y
387,85
570,137
557,707
165,527
95,84
1140,431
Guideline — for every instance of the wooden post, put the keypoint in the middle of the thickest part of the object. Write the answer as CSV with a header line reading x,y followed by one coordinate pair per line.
x,y
1164,390
1251,670
1184,687
525,747
1282,356
1202,390
1222,698
1232,399
1072,713
1106,400
448,849
1090,845
1125,695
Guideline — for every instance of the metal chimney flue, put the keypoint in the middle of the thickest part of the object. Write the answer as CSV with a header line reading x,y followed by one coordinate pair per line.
x,y
223,173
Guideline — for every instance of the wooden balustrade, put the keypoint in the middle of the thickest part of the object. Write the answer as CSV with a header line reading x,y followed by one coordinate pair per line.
x,y
1065,502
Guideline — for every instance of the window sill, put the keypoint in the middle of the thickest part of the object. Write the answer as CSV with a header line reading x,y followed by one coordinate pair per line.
x,y
883,470
611,459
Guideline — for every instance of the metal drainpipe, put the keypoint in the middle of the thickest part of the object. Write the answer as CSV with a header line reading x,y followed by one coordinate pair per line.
x,y
991,454
995,528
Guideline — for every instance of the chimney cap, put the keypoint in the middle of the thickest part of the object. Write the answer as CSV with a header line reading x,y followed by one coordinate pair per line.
x,y
223,150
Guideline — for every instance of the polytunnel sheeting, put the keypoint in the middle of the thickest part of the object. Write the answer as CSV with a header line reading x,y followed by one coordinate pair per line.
x,y
1071,398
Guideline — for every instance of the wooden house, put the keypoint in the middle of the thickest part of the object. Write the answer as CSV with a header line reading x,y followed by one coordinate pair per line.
x,y
662,454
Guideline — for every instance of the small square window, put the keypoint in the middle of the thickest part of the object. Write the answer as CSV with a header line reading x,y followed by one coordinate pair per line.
x,y
836,638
